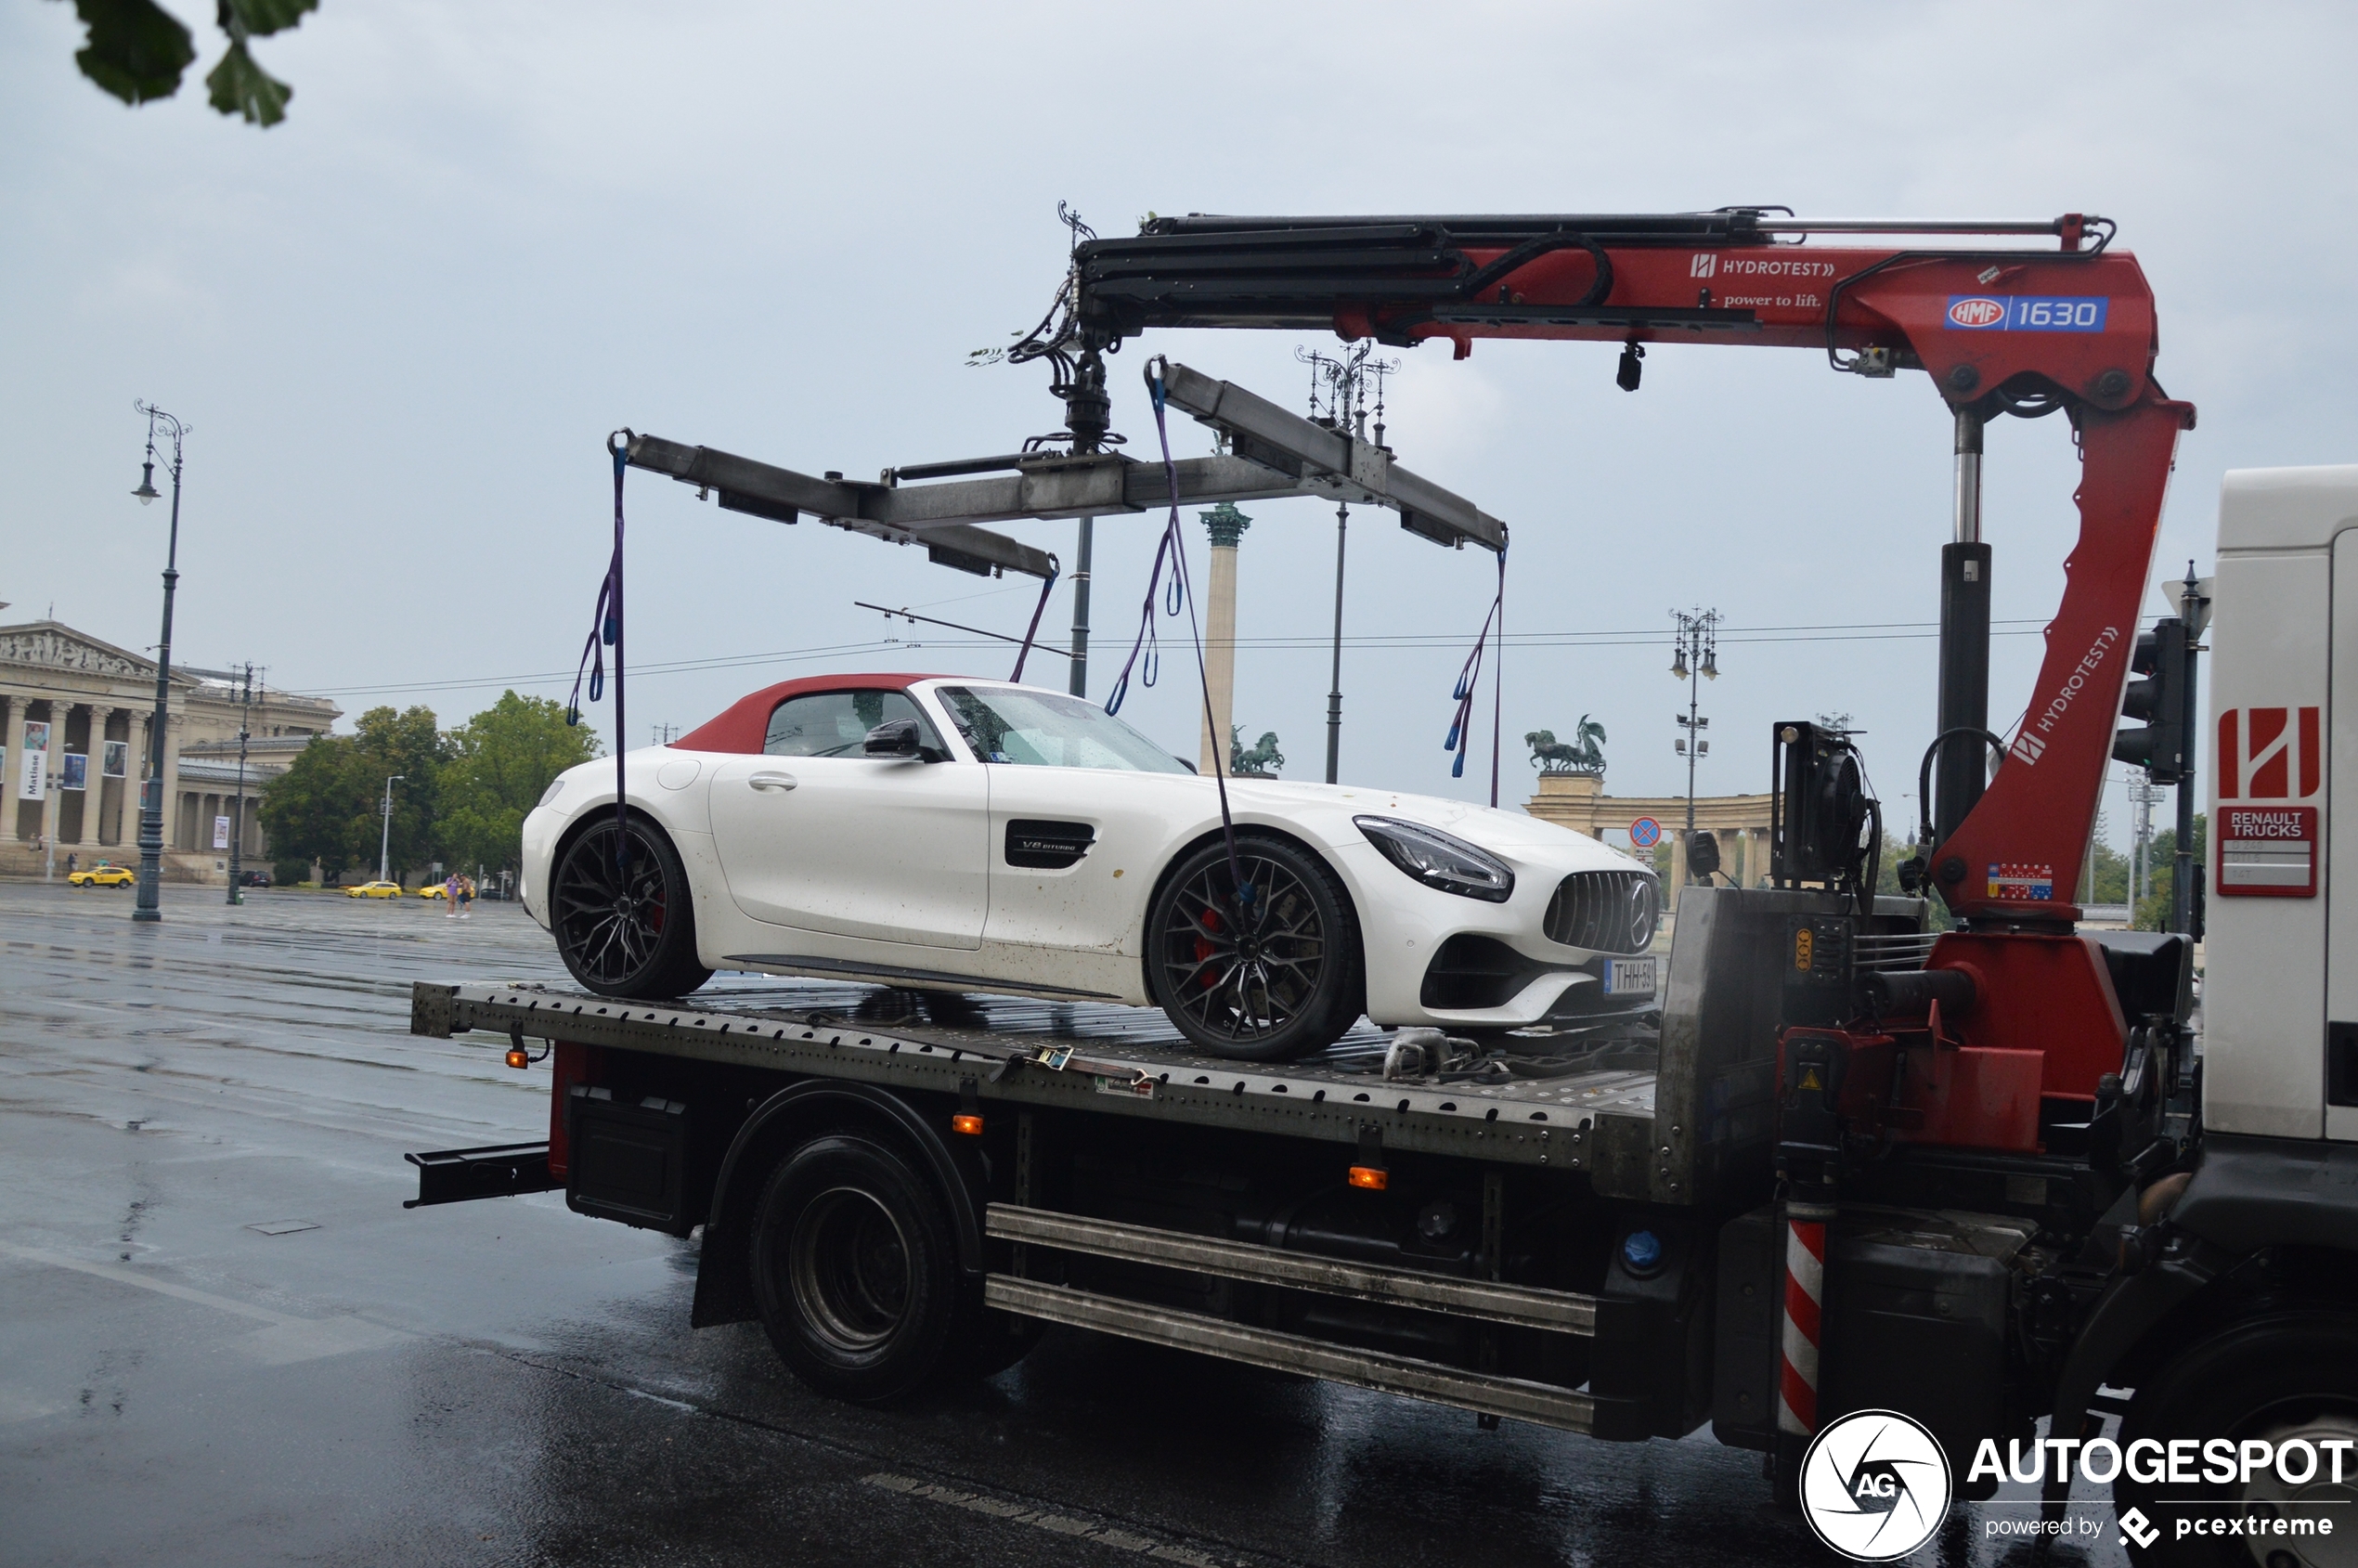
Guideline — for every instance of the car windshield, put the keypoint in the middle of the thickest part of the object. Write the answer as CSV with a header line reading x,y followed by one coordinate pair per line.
x,y
1002,724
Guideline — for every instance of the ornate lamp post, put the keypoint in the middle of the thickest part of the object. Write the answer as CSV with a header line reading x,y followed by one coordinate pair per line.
x,y
1696,659
148,904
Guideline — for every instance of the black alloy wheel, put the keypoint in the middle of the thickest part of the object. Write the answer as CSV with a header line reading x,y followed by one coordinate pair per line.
x,y
1267,971
855,1271
623,918
2287,1377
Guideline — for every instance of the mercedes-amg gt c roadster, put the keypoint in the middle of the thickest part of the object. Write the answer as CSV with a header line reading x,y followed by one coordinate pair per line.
x,y
967,835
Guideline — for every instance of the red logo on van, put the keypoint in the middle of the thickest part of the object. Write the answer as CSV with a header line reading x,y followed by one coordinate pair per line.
x,y
1976,312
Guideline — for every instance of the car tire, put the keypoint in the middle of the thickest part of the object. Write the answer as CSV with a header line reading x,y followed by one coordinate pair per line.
x,y
855,1271
626,924
2290,1373
1294,987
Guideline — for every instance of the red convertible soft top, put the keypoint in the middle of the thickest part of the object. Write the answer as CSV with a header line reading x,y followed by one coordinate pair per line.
x,y
742,726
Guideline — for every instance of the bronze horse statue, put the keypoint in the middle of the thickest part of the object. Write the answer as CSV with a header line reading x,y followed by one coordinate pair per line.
x,y
1261,760
1585,754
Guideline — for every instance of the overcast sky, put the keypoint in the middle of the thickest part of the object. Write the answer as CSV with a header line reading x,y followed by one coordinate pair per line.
x,y
402,322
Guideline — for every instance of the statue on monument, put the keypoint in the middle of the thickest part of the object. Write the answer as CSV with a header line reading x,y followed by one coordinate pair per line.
x,y
1584,754
1261,761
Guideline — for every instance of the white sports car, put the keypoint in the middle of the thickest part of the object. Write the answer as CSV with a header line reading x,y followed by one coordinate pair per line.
x,y
970,835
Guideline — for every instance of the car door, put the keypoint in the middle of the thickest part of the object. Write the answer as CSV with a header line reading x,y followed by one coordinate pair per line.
x,y
1074,851
813,835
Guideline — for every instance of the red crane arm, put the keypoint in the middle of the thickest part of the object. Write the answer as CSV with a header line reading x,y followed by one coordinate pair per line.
x,y
1999,331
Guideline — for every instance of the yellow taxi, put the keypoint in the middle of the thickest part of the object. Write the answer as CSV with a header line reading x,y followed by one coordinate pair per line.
x,y
103,875
433,890
374,890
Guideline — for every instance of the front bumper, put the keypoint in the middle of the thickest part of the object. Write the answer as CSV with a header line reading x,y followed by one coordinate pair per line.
x,y
1406,927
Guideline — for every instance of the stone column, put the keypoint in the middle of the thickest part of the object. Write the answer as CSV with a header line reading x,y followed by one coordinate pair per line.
x,y
12,712
53,806
1677,863
93,799
1227,525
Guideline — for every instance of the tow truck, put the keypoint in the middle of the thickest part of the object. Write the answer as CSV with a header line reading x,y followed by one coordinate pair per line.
x,y
1989,1176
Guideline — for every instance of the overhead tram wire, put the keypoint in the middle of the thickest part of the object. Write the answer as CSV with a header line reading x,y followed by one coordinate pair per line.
x,y
1831,631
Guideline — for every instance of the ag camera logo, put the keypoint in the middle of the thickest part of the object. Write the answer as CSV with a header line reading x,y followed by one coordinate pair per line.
x,y
1874,1486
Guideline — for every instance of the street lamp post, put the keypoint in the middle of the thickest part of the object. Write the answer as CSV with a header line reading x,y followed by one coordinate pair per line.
x,y
1696,659
148,904
238,822
384,838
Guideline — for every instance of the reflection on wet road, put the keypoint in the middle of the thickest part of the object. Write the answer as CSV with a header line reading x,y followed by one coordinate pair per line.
x,y
222,1339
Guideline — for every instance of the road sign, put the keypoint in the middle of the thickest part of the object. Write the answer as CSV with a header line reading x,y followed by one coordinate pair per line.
x,y
1645,832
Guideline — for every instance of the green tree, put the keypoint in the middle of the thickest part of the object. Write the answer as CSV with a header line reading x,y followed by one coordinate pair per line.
x,y
500,764
2104,879
307,810
138,51
389,742
2153,914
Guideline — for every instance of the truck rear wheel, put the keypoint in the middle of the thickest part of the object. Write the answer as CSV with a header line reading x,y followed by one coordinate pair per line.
x,y
855,1270
2277,1378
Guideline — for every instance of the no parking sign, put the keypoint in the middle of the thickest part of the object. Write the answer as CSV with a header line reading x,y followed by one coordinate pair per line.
x,y
1645,832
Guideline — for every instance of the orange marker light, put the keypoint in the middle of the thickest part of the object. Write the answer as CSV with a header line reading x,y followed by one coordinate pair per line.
x,y
970,1125
518,1058
1372,1177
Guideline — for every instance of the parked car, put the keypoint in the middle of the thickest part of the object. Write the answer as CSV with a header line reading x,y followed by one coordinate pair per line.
x,y
104,875
374,890
976,835
255,879
433,890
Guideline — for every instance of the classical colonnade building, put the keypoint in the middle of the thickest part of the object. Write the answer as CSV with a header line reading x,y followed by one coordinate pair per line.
x,y
1740,821
75,715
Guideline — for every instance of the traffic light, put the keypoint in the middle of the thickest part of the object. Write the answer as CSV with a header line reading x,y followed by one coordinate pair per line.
x,y
2159,699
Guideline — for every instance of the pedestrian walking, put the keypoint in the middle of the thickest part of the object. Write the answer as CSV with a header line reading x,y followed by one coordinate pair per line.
x,y
70,863
466,897
450,897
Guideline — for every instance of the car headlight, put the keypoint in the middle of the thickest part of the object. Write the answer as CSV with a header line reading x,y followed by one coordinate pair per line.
x,y
556,787
1439,861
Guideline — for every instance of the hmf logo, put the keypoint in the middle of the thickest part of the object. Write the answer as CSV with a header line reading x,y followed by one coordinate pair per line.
x,y
2270,754
1705,264
1976,313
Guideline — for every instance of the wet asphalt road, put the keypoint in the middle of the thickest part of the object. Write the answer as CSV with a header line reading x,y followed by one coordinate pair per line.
x,y
222,1339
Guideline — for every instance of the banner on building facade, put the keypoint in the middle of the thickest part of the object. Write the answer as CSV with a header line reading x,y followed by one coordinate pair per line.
x,y
117,760
221,833
76,771
33,773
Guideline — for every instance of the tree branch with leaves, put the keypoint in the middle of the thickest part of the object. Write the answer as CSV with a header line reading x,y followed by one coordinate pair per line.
x,y
138,51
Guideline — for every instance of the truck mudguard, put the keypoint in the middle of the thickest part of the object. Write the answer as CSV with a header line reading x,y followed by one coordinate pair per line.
x,y
723,1292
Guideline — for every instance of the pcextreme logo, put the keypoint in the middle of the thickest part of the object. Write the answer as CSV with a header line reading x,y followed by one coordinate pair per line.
x,y
1874,1486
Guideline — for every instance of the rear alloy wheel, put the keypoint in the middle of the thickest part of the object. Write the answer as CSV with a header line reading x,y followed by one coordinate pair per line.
x,y
1267,971
855,1271
624,922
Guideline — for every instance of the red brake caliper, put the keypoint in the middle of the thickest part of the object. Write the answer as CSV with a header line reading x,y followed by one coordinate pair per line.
x,y
1207,921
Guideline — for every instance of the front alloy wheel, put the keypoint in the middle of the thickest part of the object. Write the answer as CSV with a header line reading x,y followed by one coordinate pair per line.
x,y
620,909
1261,966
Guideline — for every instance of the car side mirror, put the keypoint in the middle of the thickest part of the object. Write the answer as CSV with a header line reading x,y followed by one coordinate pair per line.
x,y
894,737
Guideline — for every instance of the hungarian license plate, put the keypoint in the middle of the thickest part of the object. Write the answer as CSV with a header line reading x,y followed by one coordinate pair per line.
x,y
1629,977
